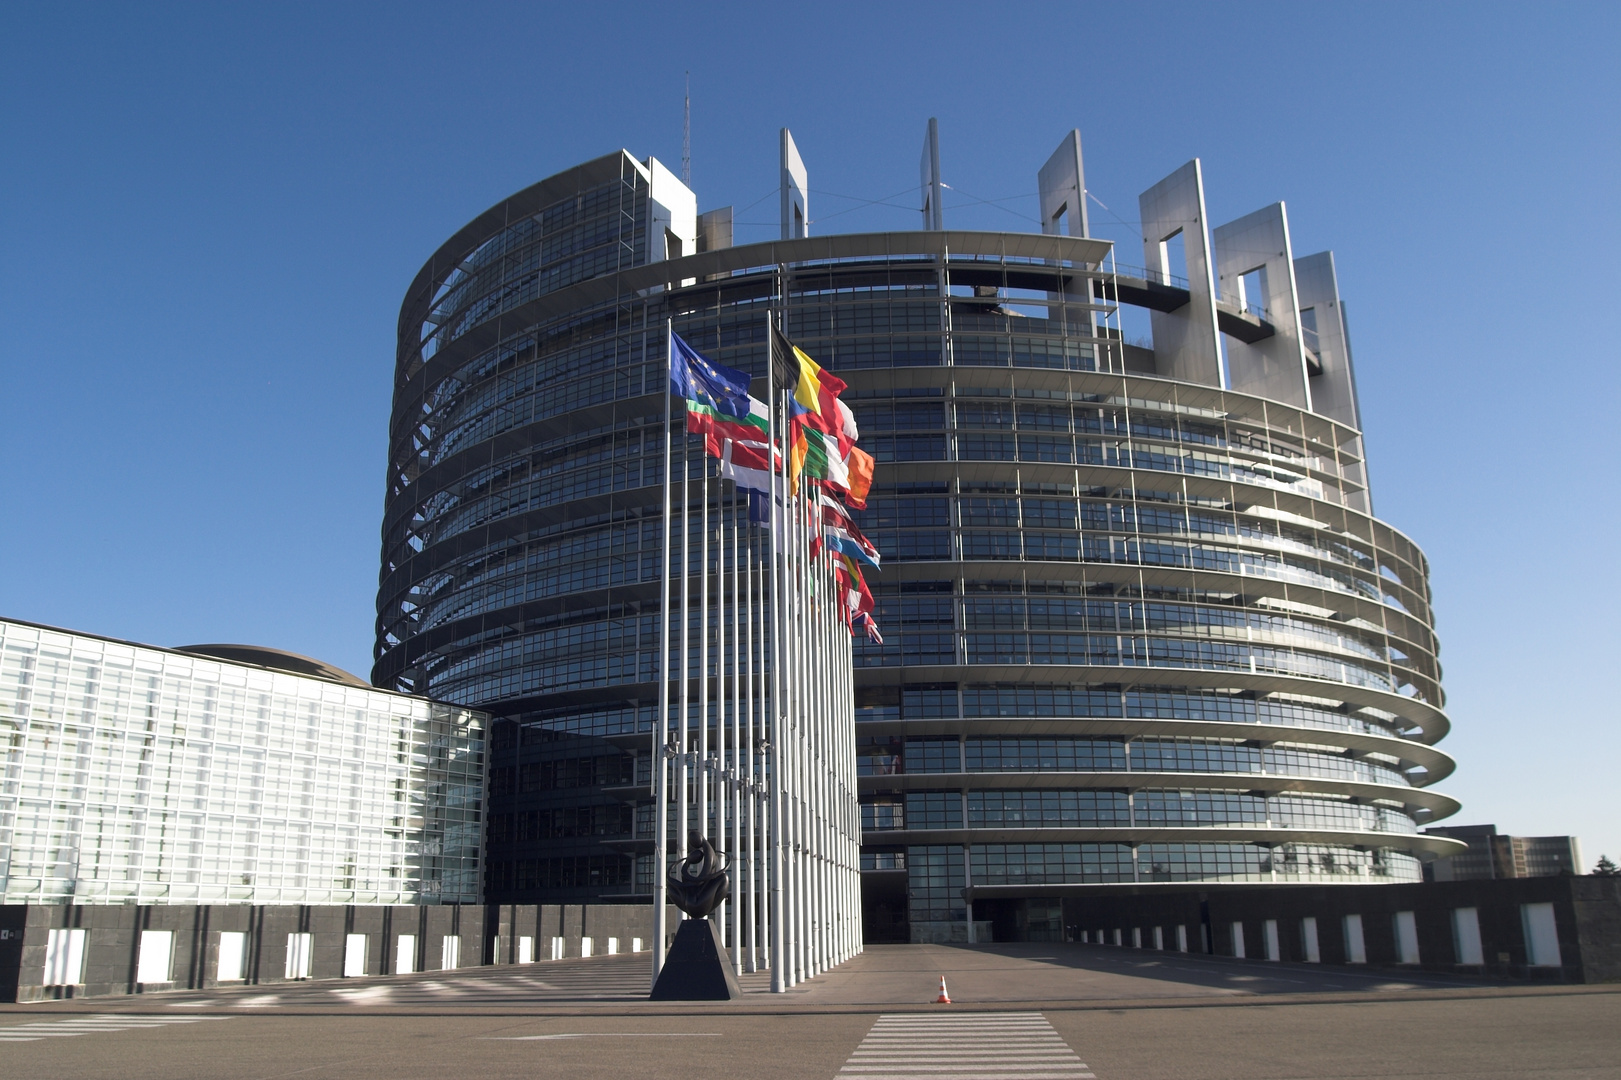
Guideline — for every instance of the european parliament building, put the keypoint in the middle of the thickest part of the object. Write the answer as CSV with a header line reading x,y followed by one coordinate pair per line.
x,y
1140,622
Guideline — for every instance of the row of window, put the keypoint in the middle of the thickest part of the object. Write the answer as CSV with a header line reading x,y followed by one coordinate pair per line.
x,y
568,872
564,822
564,774
518,270
975,754
1027,809
937,873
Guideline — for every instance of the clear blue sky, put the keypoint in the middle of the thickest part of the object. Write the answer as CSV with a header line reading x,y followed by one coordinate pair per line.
x,y
209,214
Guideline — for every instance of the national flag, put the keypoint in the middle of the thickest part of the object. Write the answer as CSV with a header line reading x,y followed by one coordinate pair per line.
x,y
821,429
858,466
816,454
753,427
816,386
843,536
717,397
745,448
760,513
866,622
857,482
855,597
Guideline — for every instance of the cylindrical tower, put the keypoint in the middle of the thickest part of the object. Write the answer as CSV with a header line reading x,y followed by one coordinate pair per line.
x,y
1138,628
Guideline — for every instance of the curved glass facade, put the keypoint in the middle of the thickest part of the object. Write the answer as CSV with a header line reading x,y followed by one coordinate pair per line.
x,y
1135,629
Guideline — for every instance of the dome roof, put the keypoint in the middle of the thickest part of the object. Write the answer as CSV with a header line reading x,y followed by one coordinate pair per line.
x,y
277,660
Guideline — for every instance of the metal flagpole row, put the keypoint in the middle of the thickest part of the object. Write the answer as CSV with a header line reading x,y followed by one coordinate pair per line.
x,y
769,771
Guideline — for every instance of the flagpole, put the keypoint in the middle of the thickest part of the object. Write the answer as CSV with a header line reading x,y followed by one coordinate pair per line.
x,y
734,770
775,776
718,773
790,747
722,657
824,946
751,910
813,695
826,913
701,762
796,704
661,787
762,793
683,777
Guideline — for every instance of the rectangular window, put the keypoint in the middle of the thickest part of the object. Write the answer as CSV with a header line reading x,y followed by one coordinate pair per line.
x,y
613,946
1406,938
1309,946
64,957
233,954
526,950
1181,937
405,954
1159,938
585,946
1238,939
156,956
1274,950
1356,949
1466,936
298,956
354,956
557,948
450,954
1541,935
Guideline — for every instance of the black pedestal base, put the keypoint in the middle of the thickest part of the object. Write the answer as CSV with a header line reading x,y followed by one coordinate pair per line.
x,y
697,967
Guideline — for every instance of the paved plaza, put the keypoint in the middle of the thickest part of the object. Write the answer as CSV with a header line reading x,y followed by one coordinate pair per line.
x,y
1019,1012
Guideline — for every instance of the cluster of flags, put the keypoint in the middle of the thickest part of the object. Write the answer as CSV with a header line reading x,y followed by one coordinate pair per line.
x,y
823,457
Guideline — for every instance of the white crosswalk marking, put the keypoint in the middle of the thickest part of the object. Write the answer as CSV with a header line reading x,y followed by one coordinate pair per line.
x,y
88,1025
964,1046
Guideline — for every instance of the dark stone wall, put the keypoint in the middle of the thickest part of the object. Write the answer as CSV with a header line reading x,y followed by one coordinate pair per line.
x,y
1587,916
488,935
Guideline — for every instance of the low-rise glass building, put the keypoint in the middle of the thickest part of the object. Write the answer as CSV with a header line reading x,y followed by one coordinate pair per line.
x,y
227,774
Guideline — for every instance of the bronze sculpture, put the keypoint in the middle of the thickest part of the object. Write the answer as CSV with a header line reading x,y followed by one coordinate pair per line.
x,y
698,884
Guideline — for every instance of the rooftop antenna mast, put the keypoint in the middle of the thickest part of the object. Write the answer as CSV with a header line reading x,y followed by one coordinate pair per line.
x,y
686,135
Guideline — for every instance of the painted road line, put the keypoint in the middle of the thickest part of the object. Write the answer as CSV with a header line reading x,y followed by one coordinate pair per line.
x,y
964,1046
92,1025
606,1035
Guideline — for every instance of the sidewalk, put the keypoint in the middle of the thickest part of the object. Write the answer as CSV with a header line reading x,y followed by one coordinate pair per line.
x,y
884,978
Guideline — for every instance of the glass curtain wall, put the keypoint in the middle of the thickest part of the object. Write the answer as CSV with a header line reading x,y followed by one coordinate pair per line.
x,y
142,775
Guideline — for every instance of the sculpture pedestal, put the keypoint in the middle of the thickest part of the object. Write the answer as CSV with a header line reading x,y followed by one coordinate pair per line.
x,y
696,967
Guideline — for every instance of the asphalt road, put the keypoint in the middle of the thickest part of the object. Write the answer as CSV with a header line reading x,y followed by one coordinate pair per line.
x,y
1124,1014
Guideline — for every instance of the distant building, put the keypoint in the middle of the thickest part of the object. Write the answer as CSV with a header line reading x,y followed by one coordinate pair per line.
x,y
1492,855
220,774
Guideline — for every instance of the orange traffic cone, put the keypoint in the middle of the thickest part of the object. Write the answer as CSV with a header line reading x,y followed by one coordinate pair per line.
x,y
944,998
